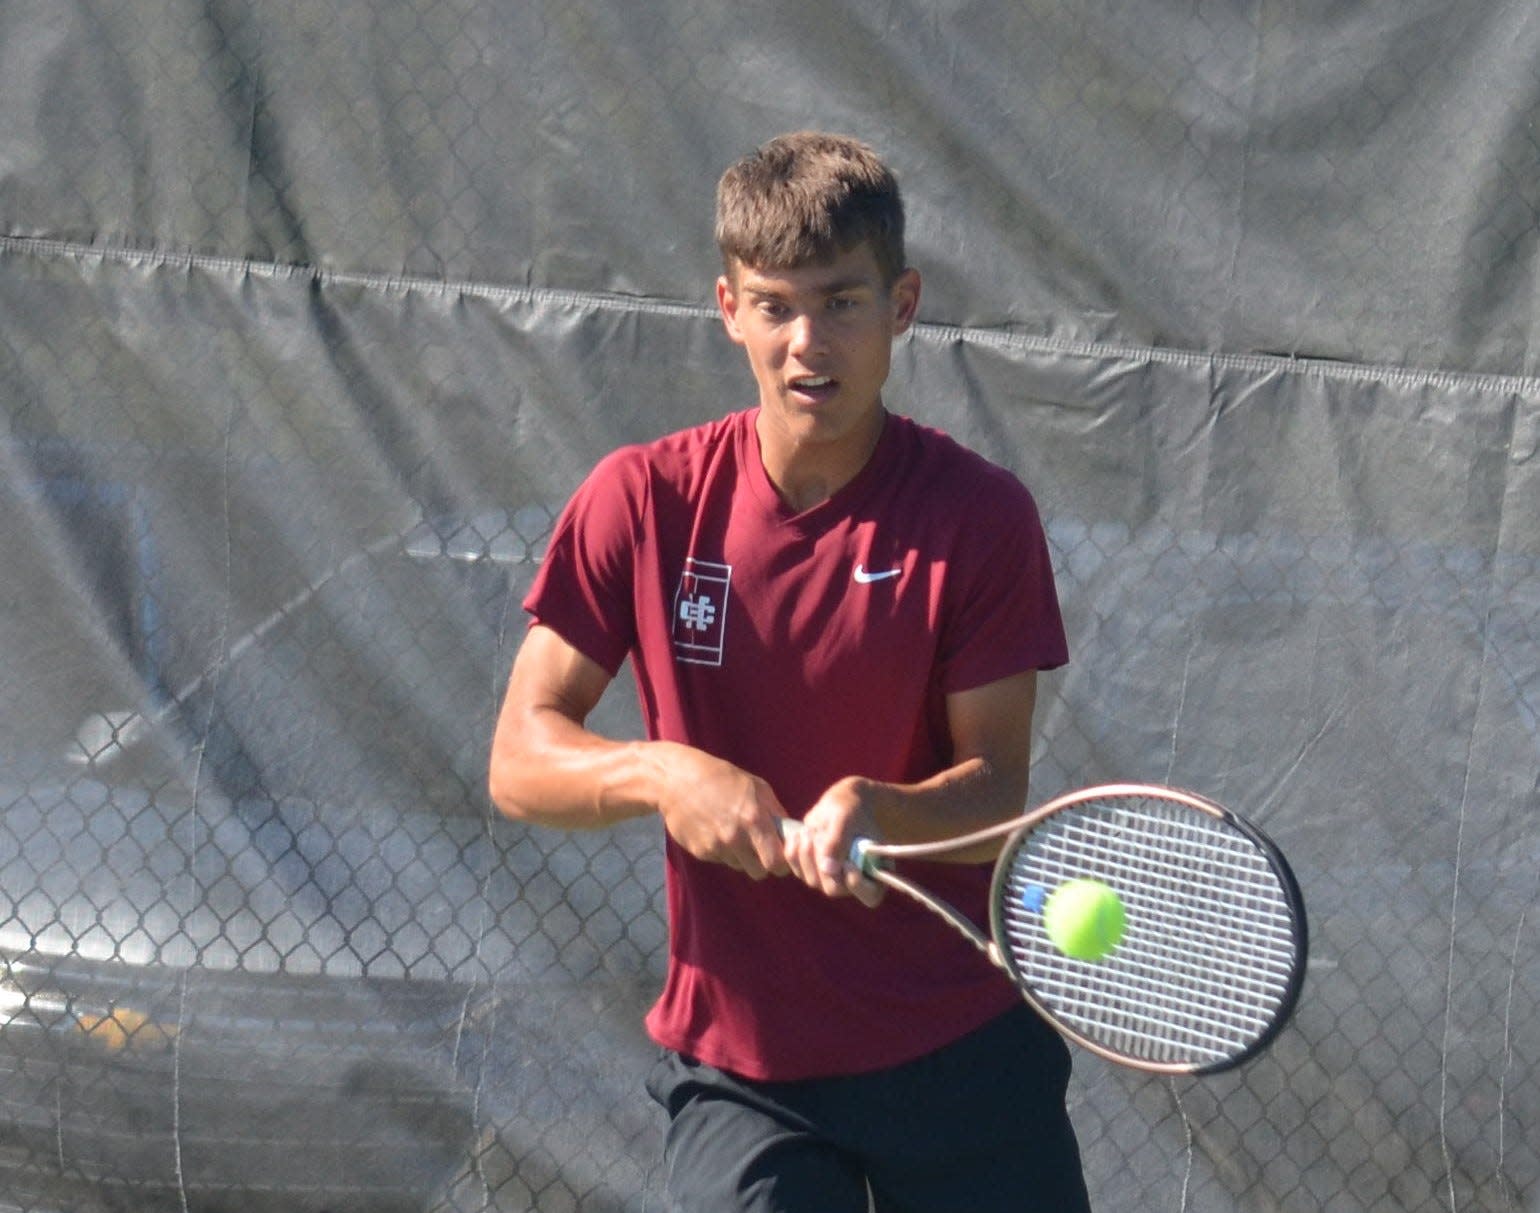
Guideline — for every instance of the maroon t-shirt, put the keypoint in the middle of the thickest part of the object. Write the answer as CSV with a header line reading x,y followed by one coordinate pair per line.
x,y
805,648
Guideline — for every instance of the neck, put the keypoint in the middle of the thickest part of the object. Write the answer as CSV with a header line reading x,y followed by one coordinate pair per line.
x,y
808,472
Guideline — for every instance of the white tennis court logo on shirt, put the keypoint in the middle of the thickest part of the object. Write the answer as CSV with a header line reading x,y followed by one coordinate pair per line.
x,y
700,611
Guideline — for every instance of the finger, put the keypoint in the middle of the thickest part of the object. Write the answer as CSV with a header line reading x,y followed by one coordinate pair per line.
x,y
791,846
860,885
769,851
818,865
813,867
797,846
845,875
735,851
821,872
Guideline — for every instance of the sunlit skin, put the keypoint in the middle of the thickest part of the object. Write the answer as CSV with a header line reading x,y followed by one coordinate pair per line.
x,y
819,341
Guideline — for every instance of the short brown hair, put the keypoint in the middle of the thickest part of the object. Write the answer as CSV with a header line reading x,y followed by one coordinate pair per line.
x,y
804,198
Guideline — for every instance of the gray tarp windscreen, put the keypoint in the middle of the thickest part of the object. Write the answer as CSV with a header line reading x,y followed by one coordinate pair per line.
x,y
312,313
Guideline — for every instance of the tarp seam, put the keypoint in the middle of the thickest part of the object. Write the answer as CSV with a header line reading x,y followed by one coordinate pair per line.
x,y
939,334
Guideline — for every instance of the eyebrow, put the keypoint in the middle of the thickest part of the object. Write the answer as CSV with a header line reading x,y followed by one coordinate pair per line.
x,y
838,287
848,284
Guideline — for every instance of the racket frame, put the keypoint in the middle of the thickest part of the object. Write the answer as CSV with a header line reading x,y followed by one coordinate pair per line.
x,y
874,860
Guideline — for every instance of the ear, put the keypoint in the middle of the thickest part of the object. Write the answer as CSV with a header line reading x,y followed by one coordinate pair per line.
x,y
905,298
727,304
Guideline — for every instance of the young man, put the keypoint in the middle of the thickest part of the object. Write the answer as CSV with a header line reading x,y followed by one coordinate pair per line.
x,y
832,614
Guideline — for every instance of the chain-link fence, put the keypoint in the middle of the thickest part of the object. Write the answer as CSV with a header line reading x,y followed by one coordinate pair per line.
x,y
312,314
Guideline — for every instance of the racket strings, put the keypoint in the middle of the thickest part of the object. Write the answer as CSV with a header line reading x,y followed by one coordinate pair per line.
x,y
1237,897
1206,963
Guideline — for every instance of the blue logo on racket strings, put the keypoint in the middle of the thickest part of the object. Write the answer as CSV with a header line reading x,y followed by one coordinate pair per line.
x,y
1033,897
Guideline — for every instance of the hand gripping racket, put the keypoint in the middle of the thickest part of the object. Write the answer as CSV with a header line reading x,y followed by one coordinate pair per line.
x,y
1212,954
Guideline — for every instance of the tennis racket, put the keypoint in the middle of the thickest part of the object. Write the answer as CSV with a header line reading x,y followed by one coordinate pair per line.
x,y
1212,954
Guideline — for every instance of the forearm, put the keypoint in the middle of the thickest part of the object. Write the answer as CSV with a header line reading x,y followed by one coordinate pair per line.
x,y
546,765
548,770
553,772
991,730
969,796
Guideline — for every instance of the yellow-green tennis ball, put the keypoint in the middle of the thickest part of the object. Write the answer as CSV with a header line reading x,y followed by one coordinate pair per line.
x,y
1084,918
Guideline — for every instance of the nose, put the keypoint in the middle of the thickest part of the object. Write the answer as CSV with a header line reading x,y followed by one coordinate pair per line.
x,y
806,335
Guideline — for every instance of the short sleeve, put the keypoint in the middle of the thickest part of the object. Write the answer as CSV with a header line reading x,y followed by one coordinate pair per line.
x,y
583,590
1002,608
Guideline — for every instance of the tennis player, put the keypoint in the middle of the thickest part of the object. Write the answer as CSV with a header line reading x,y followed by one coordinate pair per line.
x,y
837,614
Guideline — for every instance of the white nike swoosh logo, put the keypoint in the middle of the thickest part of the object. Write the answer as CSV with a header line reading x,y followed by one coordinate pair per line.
x,y
865,578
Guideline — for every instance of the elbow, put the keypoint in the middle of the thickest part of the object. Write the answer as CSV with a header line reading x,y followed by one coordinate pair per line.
x,y
506,790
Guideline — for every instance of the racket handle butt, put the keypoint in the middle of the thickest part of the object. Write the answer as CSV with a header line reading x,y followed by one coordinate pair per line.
x,y
861,858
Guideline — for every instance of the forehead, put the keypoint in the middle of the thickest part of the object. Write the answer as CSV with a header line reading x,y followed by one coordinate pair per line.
x,y
850,269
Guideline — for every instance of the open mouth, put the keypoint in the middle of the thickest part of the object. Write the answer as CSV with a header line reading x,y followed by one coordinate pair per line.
x,y
813,387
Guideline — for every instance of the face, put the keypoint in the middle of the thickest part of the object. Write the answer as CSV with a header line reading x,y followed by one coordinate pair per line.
x,y
819,340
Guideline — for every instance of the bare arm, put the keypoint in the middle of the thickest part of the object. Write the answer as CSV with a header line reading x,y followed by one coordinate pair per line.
x,y
547,767
991,728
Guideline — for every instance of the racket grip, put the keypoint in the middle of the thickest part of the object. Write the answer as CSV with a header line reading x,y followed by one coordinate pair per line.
x,y
858,857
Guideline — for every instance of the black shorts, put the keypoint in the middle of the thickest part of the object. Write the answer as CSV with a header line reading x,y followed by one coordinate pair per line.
x,y
977,1127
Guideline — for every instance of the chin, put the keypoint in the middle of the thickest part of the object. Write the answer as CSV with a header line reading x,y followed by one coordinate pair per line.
x,y
819,425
